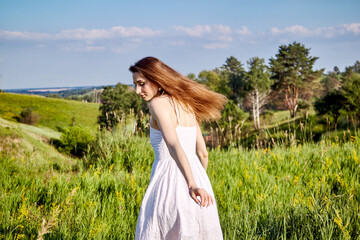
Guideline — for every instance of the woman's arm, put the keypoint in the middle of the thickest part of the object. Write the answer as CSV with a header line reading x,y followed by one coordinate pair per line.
x,y
162,111
201,150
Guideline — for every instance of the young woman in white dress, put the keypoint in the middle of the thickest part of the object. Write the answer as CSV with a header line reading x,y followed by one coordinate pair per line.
x,y
179,202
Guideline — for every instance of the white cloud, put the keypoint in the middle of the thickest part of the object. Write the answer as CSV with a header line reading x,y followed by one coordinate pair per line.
x,y
134,31
206,36
352,27
83,34
244,31
24,35
202,30
275,31
120,39
325,32
83,48
293,30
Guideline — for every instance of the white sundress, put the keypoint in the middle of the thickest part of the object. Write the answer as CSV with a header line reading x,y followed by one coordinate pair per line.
x,y
167,210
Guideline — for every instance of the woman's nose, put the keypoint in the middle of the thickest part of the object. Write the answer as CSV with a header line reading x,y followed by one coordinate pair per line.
x,y
137,90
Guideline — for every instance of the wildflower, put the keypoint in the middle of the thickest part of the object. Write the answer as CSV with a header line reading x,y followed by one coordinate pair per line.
x,y
97,173
296,180
356,159
339,222
119,196
20,236
111,167
310,203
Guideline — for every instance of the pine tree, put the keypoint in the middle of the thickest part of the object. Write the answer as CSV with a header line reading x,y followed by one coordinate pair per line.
x,y
293,74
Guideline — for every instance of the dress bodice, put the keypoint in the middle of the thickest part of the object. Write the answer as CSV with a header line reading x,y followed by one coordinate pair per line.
x,y
186,136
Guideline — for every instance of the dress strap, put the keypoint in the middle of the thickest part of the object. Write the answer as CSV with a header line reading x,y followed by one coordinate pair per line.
x,y
176,110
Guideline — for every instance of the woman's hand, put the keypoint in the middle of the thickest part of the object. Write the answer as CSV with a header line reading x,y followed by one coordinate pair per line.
x,y
205,199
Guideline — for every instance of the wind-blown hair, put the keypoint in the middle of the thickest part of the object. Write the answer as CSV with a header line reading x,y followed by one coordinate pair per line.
x,y
206,104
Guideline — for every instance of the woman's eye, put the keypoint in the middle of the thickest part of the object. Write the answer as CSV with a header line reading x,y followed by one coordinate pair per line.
x,y
142,84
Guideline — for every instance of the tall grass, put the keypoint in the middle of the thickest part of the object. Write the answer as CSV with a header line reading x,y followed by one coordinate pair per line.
x,y
309,191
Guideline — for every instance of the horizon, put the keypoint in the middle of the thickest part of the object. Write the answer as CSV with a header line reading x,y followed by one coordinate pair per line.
x,y
60,87
65,43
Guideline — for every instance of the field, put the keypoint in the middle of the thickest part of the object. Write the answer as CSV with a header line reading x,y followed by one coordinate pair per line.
x,y
304,191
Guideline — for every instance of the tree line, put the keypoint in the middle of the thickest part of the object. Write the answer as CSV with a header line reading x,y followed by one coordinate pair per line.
x,y
287,82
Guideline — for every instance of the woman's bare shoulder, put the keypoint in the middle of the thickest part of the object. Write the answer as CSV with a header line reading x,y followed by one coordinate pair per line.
x,y
159,103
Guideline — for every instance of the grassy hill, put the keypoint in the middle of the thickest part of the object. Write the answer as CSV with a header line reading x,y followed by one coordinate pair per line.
x,y
53,112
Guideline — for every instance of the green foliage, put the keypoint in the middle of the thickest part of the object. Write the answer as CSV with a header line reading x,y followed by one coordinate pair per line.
x,y
257,84
293,74
332,104
28,116
330,82
236,74
119,149
357,66
351,89
53,113
216,80
258,76
75,140
116,104
227,130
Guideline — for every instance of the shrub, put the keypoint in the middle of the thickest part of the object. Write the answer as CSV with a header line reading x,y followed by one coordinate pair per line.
x,y
75,140
28,116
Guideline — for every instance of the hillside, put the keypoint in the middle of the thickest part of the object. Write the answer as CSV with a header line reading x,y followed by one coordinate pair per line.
x,y
53,112
31,144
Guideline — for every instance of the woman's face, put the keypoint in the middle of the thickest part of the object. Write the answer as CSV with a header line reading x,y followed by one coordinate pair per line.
x,y
144,87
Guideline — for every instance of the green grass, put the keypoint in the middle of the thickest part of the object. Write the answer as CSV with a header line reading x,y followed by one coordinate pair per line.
x,y
53,112
309,191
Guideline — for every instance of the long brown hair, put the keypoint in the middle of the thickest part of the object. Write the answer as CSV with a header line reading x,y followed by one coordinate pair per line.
x,y
206,104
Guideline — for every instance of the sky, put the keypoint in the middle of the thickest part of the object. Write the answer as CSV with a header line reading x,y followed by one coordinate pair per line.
x,y
69,43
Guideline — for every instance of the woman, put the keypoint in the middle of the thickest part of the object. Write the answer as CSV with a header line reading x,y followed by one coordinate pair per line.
x,y
179,201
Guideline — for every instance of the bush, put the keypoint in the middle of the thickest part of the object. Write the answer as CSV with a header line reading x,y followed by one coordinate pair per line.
x,y
75,140
28,116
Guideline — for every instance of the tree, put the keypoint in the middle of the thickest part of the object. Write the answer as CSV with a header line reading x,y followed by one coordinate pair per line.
x,y
330,83
236,74
258,85
293,74
227,129
28,116
351,89
216,80
116,104
357,67
332,104
336,70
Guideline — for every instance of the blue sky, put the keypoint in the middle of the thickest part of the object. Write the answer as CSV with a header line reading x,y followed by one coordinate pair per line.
x,y
83,43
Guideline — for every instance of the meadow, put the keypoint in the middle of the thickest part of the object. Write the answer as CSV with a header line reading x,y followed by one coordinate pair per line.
x,y
288,190
309,191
